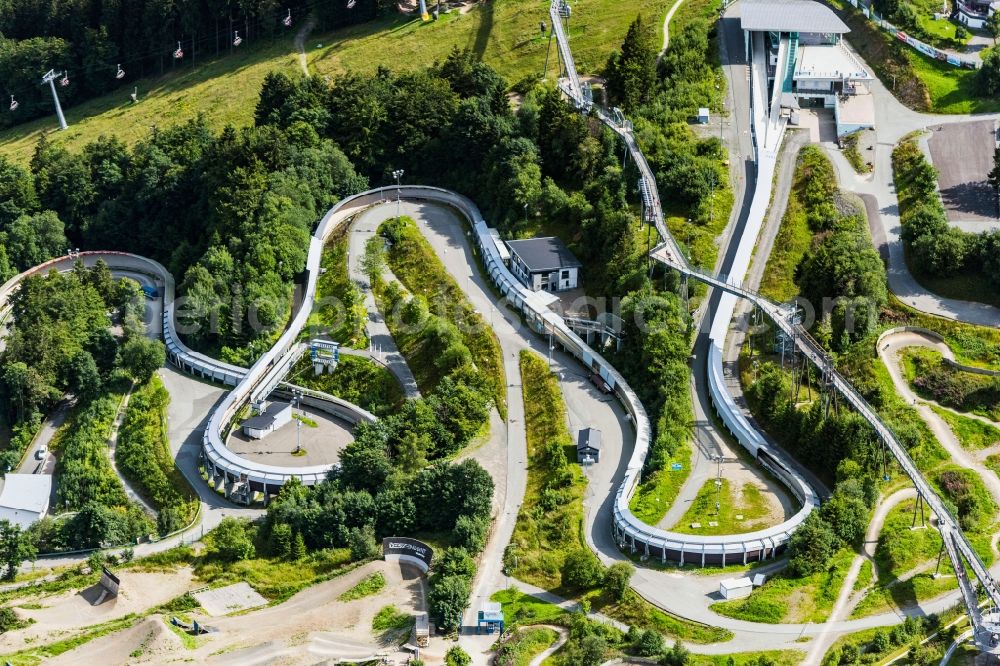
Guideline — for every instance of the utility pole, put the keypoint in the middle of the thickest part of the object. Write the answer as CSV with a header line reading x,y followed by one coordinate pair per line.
x,y
397,174
298,422
50,78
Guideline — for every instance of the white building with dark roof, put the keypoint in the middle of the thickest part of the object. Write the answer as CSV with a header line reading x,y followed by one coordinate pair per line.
x,y
273,417
25,498
809,65
544,264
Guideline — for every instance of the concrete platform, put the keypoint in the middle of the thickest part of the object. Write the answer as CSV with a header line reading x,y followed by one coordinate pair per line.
x,y
322,444
229,599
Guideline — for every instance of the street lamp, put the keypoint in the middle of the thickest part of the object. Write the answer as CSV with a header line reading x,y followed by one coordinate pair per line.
x,y
718,483
397,174
297,396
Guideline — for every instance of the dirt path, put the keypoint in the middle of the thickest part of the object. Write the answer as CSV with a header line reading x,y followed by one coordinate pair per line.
x,y
848,599
300,43
889,353
666,29
549,651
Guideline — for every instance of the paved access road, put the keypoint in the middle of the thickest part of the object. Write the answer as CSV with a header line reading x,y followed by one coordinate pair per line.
x,y
892,122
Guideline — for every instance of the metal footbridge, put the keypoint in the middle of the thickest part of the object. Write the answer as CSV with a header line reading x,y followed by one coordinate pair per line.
x,y
969,568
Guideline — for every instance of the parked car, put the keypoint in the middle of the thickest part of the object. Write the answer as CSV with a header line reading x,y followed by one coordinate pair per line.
x,y
40,453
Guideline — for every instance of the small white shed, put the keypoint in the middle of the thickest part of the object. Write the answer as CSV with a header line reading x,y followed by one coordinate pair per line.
x,y
736,588
703,115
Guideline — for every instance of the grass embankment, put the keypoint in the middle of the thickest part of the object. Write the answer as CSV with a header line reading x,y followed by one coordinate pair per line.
x,y
745,501
417,266
787,599
978,346
525,645
339,311
655,495
357,380
794,235
143,456
972,434
550,524
369,585
933,379
851,152
225,90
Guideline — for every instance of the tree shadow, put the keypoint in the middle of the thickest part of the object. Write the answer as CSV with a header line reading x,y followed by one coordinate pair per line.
x,y
484,29
971,199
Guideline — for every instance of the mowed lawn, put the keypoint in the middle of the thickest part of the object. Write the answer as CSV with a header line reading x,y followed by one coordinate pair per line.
x,y
505,33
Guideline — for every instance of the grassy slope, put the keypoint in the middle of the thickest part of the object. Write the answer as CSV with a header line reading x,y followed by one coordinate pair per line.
x,y
781,599
415,263
973,345
790,245
505,34
543,538
359,380
339,311
657,493
746,501
972,433
901,550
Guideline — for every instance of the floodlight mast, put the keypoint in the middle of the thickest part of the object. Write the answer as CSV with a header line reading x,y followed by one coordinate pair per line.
x,y
50,78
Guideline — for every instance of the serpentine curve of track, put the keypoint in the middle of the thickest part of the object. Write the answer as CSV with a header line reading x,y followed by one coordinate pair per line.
x,y
768,130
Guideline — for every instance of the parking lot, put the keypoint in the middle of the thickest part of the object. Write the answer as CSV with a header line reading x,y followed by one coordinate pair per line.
x,y
963,155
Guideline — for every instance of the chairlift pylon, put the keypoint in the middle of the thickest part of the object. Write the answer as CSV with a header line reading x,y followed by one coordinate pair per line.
x,y
13,103
237,40
288,19
179,53
120,74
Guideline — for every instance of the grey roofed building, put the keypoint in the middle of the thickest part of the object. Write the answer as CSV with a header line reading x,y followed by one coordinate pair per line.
x,y
588,445
543,254
805,16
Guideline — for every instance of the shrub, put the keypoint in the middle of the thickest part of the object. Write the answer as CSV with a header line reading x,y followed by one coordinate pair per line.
x,y
582,569
616,580
231,541
456,656
470,533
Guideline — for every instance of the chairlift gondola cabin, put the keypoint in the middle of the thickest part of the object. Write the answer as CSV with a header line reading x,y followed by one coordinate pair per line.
x,y
13,103
351,3
64,81
237,40
288,19
120,74
564,9
179,53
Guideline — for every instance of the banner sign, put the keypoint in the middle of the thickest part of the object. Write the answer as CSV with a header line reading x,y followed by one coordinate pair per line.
x,y
408,550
